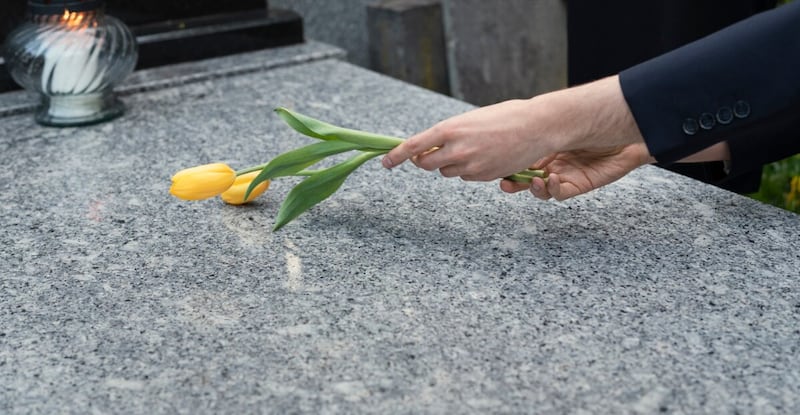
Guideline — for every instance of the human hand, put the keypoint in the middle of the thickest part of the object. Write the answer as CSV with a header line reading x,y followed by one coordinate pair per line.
x,y
483,144
573,173
502,139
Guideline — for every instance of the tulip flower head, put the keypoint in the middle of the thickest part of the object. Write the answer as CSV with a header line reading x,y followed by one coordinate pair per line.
x,y
235,194
202,182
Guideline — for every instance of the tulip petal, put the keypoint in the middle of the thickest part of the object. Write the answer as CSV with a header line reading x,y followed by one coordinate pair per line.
x,y
235,195
202,182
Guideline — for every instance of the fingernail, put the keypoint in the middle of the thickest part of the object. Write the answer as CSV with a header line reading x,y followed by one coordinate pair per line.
x,y
536,187
387,162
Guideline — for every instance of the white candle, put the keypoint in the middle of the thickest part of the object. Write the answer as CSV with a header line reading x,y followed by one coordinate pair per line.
x,y
70,60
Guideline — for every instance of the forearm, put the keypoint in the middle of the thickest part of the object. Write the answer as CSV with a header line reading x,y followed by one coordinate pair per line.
x,y
600,117
594,115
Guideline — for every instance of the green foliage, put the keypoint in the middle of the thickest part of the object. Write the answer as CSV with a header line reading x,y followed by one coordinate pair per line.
x,y
292,162
318,187
319,184
777,185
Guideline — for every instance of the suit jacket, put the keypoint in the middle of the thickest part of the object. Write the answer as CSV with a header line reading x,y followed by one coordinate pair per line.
x,y
741,85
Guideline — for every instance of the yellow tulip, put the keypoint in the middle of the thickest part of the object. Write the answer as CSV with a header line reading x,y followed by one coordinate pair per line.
x,y
202,182
235,194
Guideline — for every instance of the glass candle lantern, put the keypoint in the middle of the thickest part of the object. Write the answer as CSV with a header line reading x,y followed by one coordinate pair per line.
x,y
72,54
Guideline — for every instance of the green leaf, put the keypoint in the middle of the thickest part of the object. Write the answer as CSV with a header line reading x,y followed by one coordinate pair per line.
x,y
318,187
300,123
324,131
298,159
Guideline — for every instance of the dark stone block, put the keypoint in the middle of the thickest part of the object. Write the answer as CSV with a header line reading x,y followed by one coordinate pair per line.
x,y
503,50
136,12
223,34
406,41
166,38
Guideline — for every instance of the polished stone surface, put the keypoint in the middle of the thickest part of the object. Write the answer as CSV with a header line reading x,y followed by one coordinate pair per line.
x,y
405,292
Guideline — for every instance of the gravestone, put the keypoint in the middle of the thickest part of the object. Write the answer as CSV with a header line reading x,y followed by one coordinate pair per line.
x,y
499,50
406,41
338,22
173,31
135,12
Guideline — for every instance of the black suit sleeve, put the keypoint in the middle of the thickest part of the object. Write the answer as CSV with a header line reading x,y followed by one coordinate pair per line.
x,y
741,84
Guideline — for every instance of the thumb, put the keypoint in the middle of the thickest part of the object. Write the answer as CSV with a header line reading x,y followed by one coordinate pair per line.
x,y
561,191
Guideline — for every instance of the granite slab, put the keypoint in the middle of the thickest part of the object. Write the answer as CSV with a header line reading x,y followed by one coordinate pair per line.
x,y
405,292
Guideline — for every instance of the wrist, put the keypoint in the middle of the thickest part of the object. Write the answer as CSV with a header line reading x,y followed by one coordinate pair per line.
x,y
597,116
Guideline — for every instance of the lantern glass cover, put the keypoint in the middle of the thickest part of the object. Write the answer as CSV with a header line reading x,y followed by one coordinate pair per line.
x,y
72,54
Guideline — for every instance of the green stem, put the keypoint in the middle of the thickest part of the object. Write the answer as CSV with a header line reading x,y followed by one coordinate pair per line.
x,y
527,175
373,151
250,169
377,141
366,155
307,172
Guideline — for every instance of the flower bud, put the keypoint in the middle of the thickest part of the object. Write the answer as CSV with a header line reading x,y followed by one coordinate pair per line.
x,y
235,194
202,182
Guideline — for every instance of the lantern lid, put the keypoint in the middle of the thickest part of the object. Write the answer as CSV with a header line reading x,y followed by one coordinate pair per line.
x,y
58,6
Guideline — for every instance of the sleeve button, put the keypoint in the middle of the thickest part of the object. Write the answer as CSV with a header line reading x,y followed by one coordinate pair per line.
x,y
707,121
690,126
741,109
725,115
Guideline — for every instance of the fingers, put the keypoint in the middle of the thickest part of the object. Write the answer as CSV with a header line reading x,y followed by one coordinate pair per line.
x,y
510,186
539,188
414,146
554,188
432,159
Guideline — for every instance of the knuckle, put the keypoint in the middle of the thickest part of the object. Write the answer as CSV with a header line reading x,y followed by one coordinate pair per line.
x,y
445,130
458,155
413,147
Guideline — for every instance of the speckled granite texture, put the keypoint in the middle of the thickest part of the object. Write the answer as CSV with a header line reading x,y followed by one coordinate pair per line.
x,y
403,293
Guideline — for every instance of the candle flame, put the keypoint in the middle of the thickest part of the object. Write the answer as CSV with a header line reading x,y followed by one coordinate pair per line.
x,y
72,19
